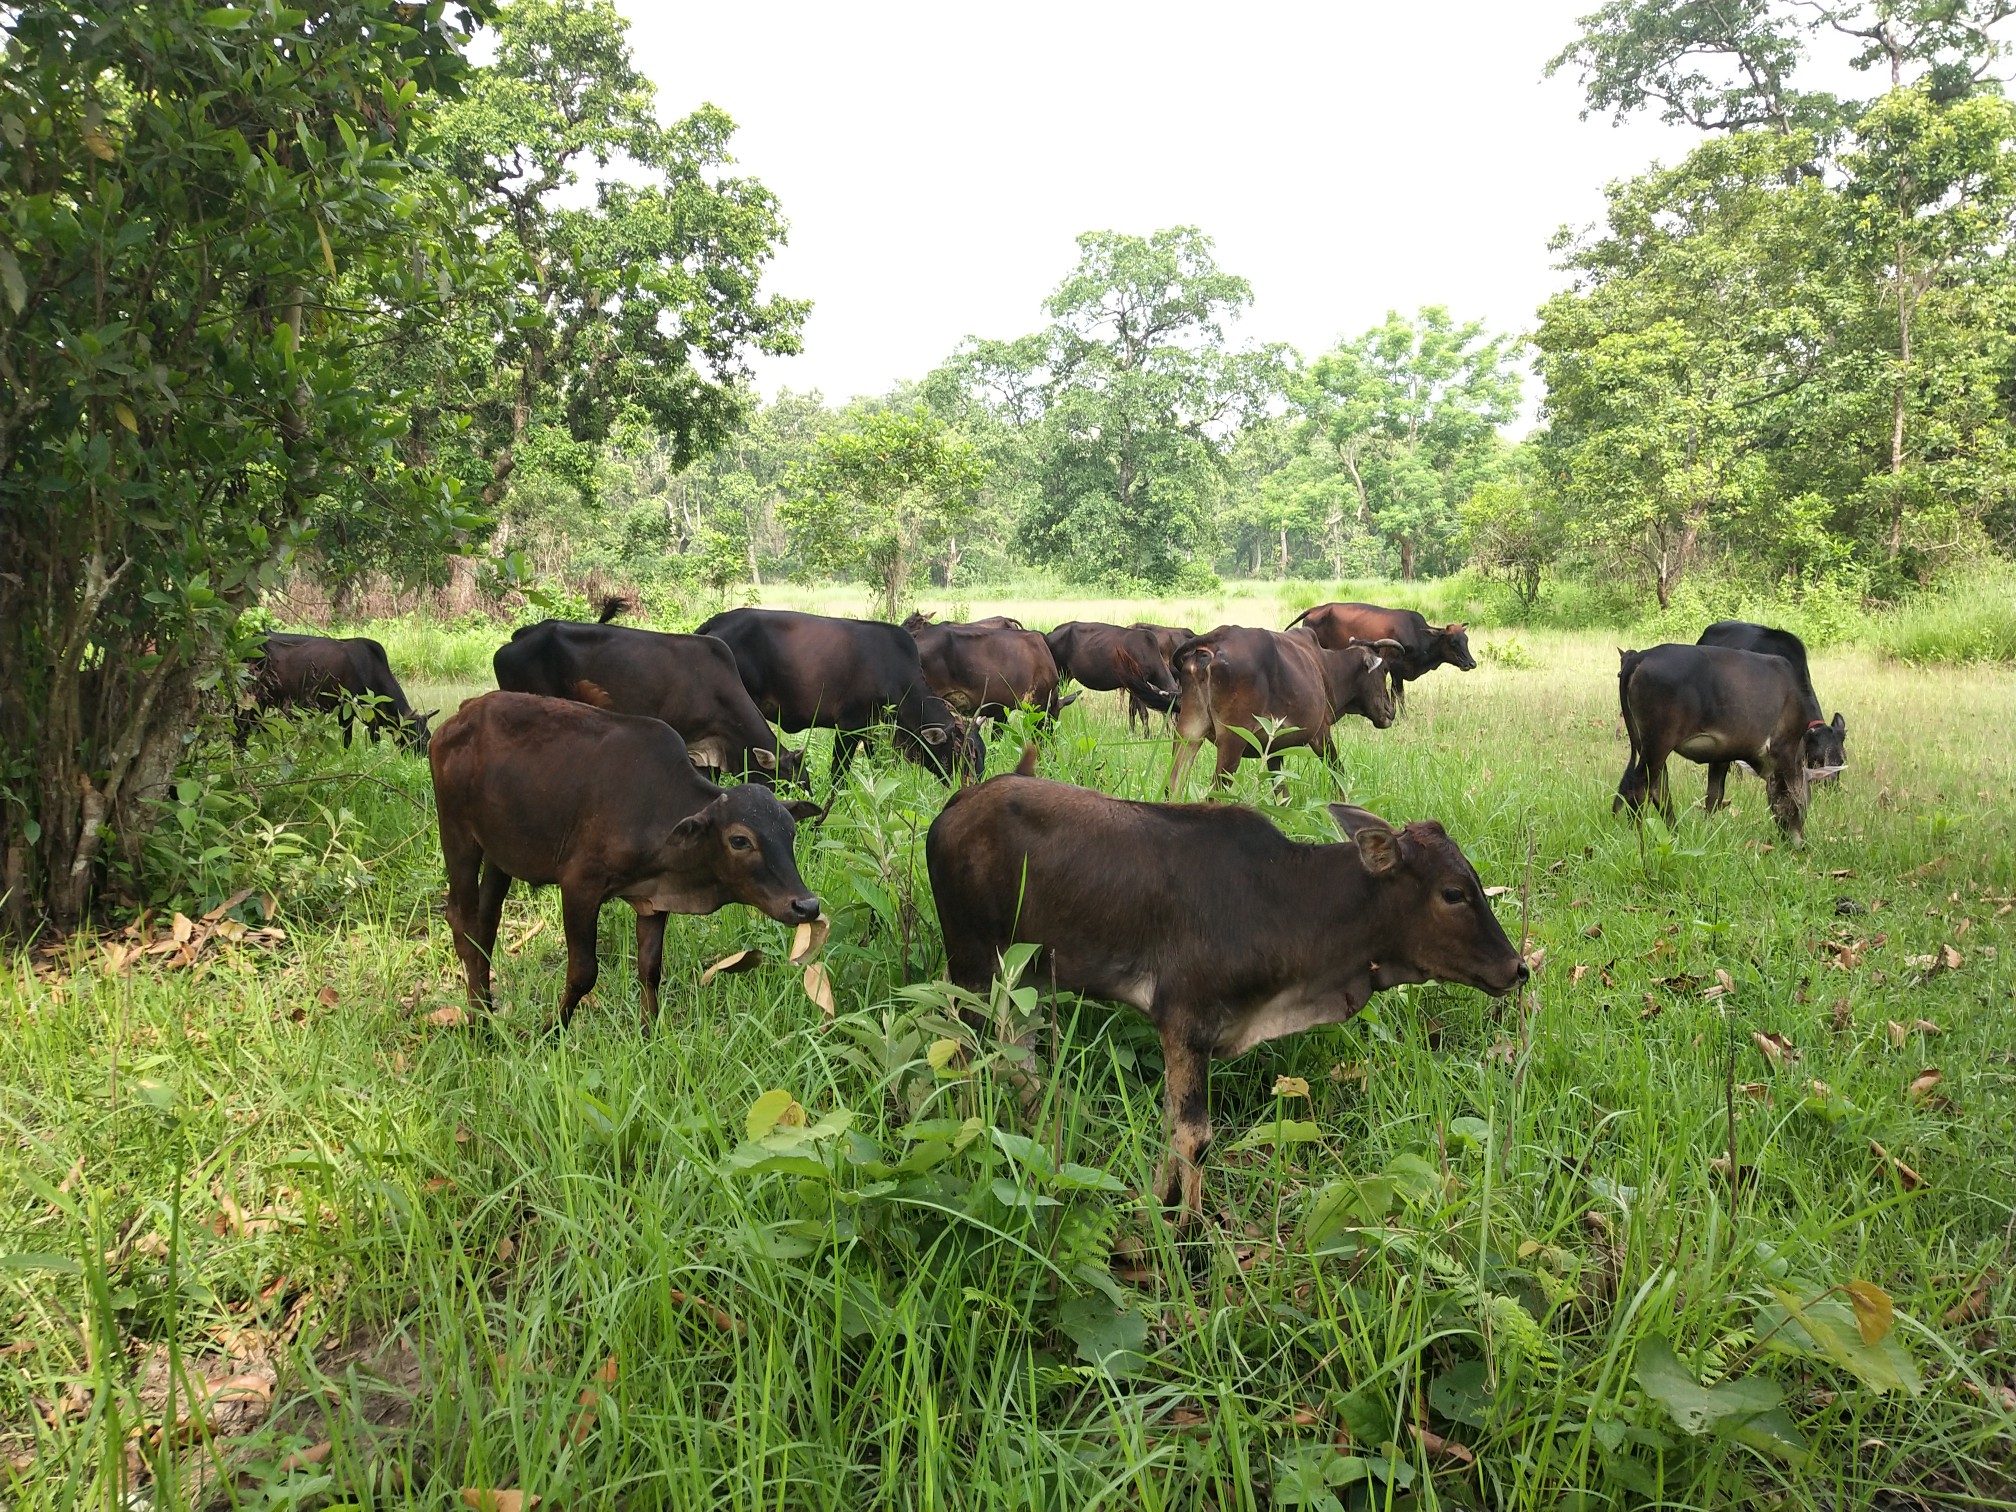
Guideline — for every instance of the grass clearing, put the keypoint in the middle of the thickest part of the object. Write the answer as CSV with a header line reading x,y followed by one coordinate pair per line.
x,y
494,1260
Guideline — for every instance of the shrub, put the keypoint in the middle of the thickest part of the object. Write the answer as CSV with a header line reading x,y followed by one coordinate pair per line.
x,y
1968,619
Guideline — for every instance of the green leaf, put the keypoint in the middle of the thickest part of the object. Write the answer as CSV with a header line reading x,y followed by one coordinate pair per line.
x,y
1462,1394
1108,1338
1280,1131
1827,1327
1351,1203
40,1260
1695,1408
227,16
768,1109
11,281
1875,1315
1775,1434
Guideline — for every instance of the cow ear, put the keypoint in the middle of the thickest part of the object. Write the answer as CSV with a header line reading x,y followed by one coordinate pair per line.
x,y
1459,627
802,809
935,734
766,759
694,825
1378,844
1840,724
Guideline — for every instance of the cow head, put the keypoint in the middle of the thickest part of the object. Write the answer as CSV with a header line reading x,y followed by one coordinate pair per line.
x,y
1366,689
785,764
416,731
745,843
929,733
1438,925
1451,643
1826,747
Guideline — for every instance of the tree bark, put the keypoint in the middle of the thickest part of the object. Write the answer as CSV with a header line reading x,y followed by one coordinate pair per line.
x,y
1407,559
1897,406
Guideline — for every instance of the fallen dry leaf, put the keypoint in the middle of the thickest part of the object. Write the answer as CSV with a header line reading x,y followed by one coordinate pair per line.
x,y
478,1499
1923,1083
807,940
1443,1448
1758,1090
721,1318
447,1018
526,938
1909,1178
1874,1312
1952,958
327,997
1351,1071
506,1248
182,929
1653,1008
301,1459
819,988
1775,1048
1187,1417
729,965
1496,892
1843,1021
1724,980
1290,1086
1972,1307
1594,931
1577,974
1898,1034
1536,958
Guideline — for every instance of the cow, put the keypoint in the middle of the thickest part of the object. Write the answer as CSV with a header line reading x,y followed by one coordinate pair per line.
x,y
549,790
1826,744
1129,658
689,681
808,671
348,676
1715,705
1206,918
921,617
1233,679
987,667
1422,647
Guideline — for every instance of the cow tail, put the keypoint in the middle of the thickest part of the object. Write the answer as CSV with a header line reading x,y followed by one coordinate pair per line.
x,y
1627,667
1137,683
1026,767
612,606
1301,617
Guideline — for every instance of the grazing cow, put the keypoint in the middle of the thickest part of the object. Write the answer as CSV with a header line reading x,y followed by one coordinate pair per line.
x,y
808,671
1207,919
547,790
1422,647
1715,705
349,676
1826,744
689,681
1233,679
988,667
1132,658
921,617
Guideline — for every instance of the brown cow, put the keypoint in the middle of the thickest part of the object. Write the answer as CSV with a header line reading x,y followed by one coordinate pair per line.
x,y
1206,918
987,667
1717,705
1422,647
547,790
1133,658
1233,680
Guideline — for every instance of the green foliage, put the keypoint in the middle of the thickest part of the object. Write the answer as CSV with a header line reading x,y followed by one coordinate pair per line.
x,y
1970,619
881,496
203,209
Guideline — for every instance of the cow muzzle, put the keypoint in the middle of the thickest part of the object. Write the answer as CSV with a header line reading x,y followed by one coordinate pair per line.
x,y
803,910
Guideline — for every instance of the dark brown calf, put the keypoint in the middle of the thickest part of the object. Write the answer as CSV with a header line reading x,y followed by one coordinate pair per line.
x,y
1716,705
988,667
1235,680
1207,919
607,806
1419,646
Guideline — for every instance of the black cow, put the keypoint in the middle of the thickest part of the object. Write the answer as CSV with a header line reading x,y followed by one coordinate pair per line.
x,y
1716,706
1129,658
548,790
349,676
1826,744
1422,647
1207,919
809,671
689,681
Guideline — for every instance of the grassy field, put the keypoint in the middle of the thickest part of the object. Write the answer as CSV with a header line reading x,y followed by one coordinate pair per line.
x,y
281,1231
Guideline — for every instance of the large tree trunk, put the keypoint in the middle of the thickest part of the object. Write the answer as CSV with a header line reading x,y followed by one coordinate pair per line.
x,y
1284,551
1407,558
1897,407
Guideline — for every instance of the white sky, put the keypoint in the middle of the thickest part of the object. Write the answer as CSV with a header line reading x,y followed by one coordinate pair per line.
x,y
936,161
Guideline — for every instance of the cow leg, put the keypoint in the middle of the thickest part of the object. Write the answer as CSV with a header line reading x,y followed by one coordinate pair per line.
x,y
1787,789
1718,776
578,913
1660,785
465,911
1186,1114
650,962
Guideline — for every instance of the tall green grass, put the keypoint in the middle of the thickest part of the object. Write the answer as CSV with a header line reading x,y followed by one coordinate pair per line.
x,y
1969,619
477,1259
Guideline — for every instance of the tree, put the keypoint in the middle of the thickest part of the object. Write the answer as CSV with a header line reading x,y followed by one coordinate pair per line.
x,y
1132,395
880,496
1398,410
1513,526
632,255
186,191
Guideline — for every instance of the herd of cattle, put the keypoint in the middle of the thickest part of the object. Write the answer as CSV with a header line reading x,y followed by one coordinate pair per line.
x,y
589,770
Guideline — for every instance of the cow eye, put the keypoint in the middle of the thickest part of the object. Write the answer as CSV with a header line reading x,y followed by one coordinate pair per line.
x,y
739,842
1452,895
